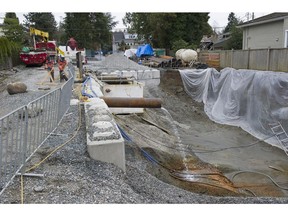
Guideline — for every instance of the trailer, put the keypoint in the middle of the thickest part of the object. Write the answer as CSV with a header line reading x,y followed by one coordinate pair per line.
x,y
41,50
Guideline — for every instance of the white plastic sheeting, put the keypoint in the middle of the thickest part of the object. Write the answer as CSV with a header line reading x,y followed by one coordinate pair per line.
x,y
249,99
129,53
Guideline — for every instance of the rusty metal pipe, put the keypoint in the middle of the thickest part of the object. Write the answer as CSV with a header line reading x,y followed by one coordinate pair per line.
x,y
132,102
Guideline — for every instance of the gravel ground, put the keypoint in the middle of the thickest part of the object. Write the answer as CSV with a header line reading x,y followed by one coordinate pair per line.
x,y
71,177
32,77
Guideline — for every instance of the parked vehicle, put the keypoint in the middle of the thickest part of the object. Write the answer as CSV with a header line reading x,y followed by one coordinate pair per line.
x,y
41,50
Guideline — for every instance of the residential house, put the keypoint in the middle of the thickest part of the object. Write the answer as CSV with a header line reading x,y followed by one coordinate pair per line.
x,y
206,43
127,38
130,39
266,31
221,41
118,37
214,42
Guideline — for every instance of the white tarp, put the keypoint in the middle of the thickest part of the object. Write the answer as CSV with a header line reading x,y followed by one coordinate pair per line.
x,y
130,53
249,99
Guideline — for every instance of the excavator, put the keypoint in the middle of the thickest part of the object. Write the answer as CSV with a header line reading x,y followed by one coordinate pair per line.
x,y
41,50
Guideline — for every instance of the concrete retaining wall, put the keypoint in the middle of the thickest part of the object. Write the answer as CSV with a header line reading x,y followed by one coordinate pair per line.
x,y
104,140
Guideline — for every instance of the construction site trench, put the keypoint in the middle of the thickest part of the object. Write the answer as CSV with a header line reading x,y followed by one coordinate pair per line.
x,y
180,145
212,158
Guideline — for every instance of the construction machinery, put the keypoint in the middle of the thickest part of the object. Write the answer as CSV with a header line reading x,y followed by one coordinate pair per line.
x,y
70,51
41,50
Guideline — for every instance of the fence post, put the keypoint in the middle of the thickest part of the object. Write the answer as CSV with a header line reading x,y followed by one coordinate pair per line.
x,y
232,58
248,60
268,59
59,105
25,142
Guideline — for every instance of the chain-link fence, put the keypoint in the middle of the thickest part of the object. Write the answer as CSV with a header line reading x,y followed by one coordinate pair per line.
x,y
24,130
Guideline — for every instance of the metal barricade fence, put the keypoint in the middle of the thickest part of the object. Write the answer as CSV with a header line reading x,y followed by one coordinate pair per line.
x,y
66,93
24,130
13,135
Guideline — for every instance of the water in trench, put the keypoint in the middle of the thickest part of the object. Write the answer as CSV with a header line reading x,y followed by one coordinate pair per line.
x,y
224,161
181,167
202,156
178,142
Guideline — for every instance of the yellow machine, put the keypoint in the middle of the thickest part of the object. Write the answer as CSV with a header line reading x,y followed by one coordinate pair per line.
x,y
34,32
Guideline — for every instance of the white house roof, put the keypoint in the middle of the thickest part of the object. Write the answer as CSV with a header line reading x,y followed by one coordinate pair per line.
x,y
264,19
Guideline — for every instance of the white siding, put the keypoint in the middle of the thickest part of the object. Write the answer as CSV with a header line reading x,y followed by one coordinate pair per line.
x,y
285,32
264,36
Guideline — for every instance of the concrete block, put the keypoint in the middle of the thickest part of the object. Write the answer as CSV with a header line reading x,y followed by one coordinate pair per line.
x,y
156,74
109,151
74,102
104,140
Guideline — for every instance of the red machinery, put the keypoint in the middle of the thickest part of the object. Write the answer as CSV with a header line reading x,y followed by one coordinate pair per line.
x,y
41,51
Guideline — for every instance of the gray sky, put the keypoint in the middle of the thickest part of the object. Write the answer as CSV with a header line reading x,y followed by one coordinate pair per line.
x,y
217,19
219,10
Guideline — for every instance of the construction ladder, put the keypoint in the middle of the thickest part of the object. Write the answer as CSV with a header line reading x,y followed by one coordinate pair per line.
x,y
281,135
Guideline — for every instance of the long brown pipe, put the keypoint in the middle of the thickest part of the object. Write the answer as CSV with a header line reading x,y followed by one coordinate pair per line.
x,y
132,102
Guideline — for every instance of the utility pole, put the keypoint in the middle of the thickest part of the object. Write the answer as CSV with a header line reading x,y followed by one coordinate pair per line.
x,y
247,16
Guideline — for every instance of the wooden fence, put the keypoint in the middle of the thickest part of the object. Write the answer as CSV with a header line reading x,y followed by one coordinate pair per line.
x,y
255,59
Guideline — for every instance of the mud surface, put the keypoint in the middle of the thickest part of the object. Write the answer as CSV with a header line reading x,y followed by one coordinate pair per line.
x,y
234,163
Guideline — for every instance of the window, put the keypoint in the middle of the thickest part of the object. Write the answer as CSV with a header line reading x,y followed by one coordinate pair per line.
x,y
286,39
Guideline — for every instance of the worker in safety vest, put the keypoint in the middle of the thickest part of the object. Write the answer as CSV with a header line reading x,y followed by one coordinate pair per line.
x,y
61,65
49,66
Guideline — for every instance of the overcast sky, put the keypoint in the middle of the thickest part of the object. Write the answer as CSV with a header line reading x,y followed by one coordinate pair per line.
x,y
219,10
217,19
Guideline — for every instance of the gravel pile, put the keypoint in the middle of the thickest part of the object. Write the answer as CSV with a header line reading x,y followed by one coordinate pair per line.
x,y
114,62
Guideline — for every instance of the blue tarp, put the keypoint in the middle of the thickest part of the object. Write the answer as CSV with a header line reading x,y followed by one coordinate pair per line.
x,y
87,89
145,50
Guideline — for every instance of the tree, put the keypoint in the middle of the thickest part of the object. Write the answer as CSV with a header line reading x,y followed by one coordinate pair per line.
x,y
42,21
232,21
78,26
163,29
8,49
13,31
90,30
61,35
236,34
179,44
123,46
236,39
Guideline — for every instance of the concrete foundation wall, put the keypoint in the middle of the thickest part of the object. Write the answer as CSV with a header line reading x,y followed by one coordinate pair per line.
x,y
144,76
104,140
